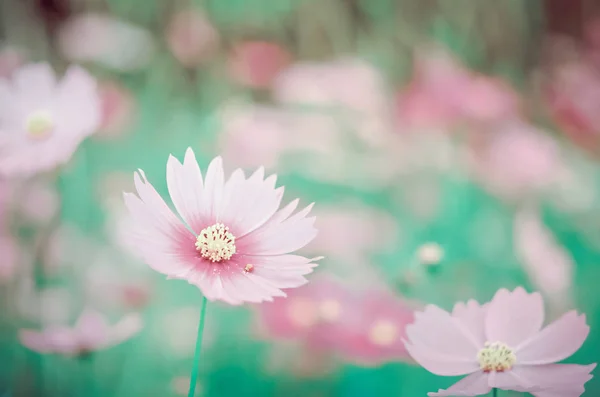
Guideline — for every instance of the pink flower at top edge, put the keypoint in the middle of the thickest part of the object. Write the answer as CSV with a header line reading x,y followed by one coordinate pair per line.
x,y
42,120
191,37
91,333
235,245
258,63
373,332
501,345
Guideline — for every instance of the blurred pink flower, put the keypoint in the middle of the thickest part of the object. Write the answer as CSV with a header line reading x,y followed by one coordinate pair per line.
x,y
516,160
10,60
573,94
310,313
91,333
351,88
549,265
105,40
191,37
254,134
258,63
501,345
373,332
118,110
237,248
42,121
443,93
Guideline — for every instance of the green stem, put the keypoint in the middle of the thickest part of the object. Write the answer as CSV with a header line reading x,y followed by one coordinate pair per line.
x,y
494,392
196,363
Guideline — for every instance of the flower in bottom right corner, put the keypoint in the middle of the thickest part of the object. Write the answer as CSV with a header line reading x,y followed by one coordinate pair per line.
x,y
502,345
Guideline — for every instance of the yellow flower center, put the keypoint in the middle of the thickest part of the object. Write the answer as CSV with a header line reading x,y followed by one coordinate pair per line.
x,y
40,124
329,310
383,333
215,243
496,357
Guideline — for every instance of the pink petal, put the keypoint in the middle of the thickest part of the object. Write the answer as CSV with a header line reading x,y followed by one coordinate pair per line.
x,y
92,330
278,237
454,342
439,363
250,203
62,340
473,385
472,316
212,195
513,317
125,329
162,240
186,188
35,84
556,342
552,376
78,104
34,340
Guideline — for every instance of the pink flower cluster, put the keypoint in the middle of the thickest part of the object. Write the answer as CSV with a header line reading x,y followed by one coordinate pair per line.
x,y
366,328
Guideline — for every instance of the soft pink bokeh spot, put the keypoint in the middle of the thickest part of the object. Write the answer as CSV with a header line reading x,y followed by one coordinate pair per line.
x,y
257,63
517,160
10,60
68,110
91,333
260,260
573,95
443,93
191,37
448,344
118,110
372,332
107,41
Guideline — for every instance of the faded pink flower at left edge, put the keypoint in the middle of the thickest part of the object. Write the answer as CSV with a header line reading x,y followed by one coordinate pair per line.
x,y
233,242
501,345
42,120
91,333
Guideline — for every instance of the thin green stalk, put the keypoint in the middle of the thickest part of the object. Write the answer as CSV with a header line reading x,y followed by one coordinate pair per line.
x,y
494,392
196,363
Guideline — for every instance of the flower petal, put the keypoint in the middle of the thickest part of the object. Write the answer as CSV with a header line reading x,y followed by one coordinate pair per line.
x,y
212,195
513,317
454,342
556,342
125,329
35,84
439,363
475,384
34,340
472,316
279,236
162,240
92,330
552,376
186,188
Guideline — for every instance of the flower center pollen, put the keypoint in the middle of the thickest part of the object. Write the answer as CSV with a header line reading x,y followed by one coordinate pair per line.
x,y
496,357
216,243
40,124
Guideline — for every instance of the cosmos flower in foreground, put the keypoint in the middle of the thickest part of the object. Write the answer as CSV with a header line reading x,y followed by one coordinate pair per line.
x,y
91,333
235,244
42,120
501,345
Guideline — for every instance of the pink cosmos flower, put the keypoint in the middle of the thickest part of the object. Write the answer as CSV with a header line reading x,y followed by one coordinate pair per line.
x,y
444,93
310,313
373,332
91,333
501,345
42,121
235,245
257,63
533,165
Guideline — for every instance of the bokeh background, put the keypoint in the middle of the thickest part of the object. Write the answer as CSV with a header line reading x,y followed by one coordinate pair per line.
x,y
451,148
